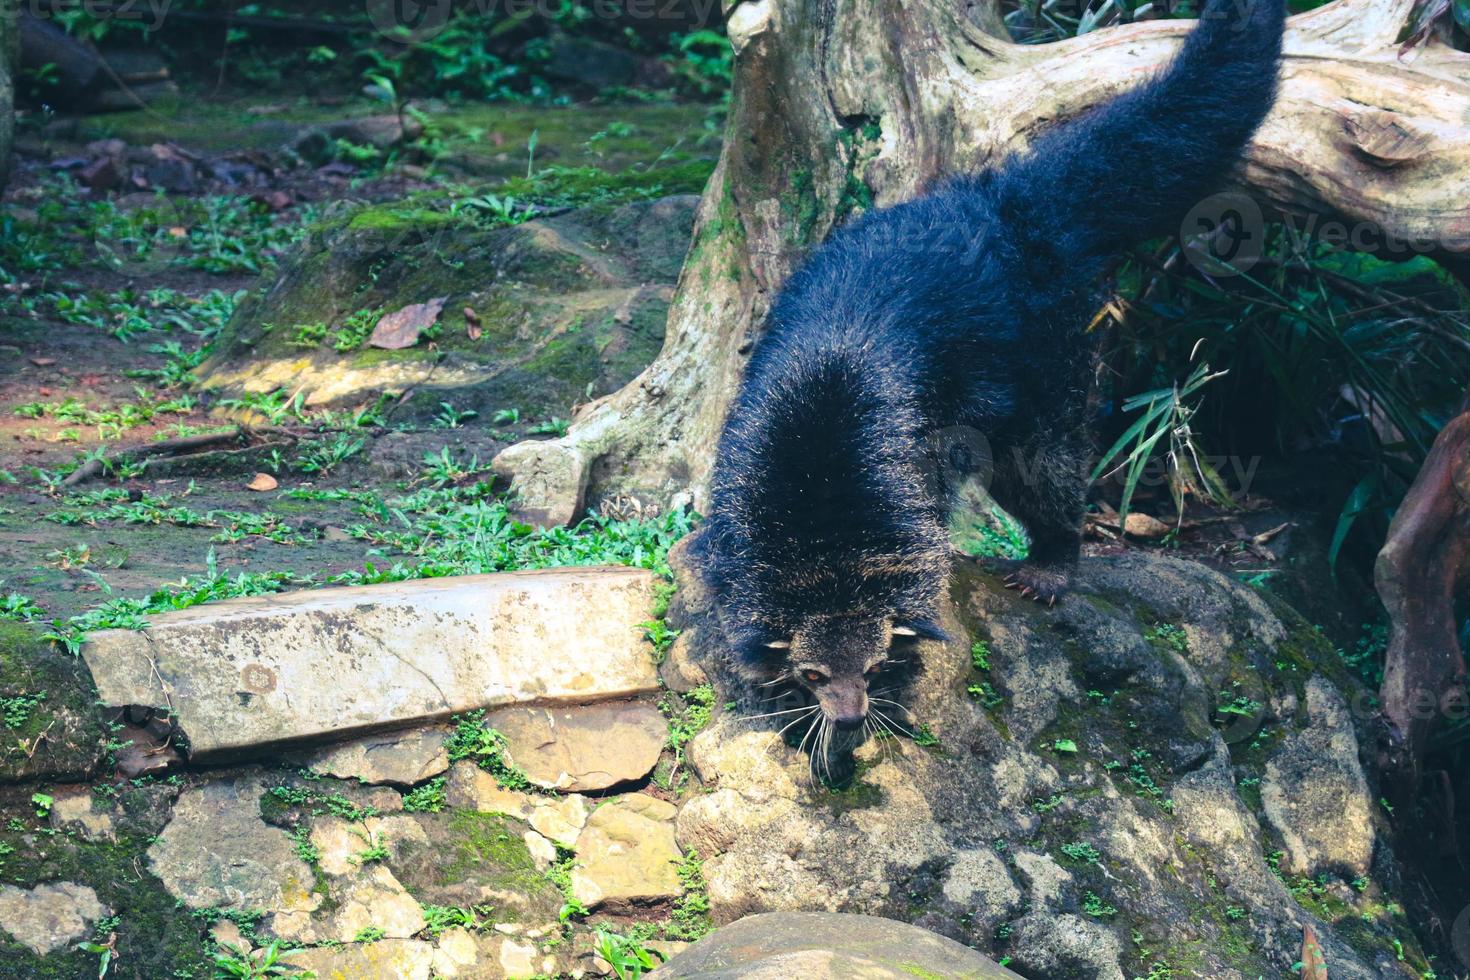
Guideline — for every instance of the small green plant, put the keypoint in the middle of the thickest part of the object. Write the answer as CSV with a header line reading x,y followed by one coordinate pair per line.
x,y
686,720
1096,907
237,963
355,330
924,736
471,739
322,458
305,849
369,934
551,427
16,711
317,803
506,416
428,798
443,468
441,918
43,804
376,850
626,955
657,632
106,952
450,417
980,655
309,334
1169,635
1166,413
986,694
1049,804
1083,853
690,919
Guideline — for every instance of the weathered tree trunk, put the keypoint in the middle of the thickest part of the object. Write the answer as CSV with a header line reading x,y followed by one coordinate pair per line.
x,y
842,103
9,59
1424,562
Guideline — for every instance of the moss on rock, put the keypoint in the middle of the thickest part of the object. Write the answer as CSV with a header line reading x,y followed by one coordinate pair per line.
x,y
568,307
52,726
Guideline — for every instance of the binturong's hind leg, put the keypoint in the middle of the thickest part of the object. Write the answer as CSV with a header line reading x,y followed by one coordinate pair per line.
x,y
1044,486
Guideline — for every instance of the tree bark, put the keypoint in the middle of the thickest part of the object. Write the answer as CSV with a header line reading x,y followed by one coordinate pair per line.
x,y
1424,562
9,59
840,103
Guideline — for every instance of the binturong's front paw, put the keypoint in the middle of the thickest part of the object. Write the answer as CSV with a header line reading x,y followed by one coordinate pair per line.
x,y
1044,583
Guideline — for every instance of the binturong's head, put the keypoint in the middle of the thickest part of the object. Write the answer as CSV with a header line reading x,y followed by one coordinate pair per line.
x,y
841,659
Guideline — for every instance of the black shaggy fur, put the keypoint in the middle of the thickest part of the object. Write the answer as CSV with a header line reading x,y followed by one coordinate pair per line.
x,y
964,307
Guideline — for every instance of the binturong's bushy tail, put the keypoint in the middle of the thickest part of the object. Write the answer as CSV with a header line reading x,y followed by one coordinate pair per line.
x,y
1135,165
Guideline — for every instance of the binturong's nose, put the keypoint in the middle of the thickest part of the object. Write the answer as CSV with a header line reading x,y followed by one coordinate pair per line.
x,y
849,723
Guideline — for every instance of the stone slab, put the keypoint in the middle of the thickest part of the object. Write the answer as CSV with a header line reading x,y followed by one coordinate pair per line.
x,y
308,665
584,748
50,916
627,854
828,946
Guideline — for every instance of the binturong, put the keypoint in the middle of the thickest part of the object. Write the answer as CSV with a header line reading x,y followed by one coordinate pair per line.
x,y
826,542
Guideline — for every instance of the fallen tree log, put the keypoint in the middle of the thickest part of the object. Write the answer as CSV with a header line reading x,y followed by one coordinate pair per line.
x,y
843,104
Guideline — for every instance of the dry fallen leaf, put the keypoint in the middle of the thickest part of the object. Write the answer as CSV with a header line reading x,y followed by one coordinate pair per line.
x,y
43,361
1314,964
1144,526
401,328
262,482
472,327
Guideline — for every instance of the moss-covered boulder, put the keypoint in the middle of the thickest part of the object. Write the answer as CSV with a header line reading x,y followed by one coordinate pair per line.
x,y
155,937
1117,787
562,308
52,726
471,859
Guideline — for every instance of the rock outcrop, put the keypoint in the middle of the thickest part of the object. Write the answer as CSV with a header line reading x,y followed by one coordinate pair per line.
x,y
1161,773
562,308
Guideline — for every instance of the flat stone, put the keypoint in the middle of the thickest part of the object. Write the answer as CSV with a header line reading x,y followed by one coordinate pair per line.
x,y
460,953
255,672
71,812
50,916
216,852
375,899
584,748
828,946
627,853
395,758
561,820
386,959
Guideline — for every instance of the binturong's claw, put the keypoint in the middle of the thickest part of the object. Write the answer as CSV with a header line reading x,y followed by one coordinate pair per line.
x,y
1045,583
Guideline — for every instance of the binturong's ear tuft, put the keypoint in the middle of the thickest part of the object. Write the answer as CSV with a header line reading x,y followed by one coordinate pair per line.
x,y
757,650
919,627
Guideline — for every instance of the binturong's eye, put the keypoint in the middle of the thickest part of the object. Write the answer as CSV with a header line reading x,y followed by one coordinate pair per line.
x,y
812,676
873,670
